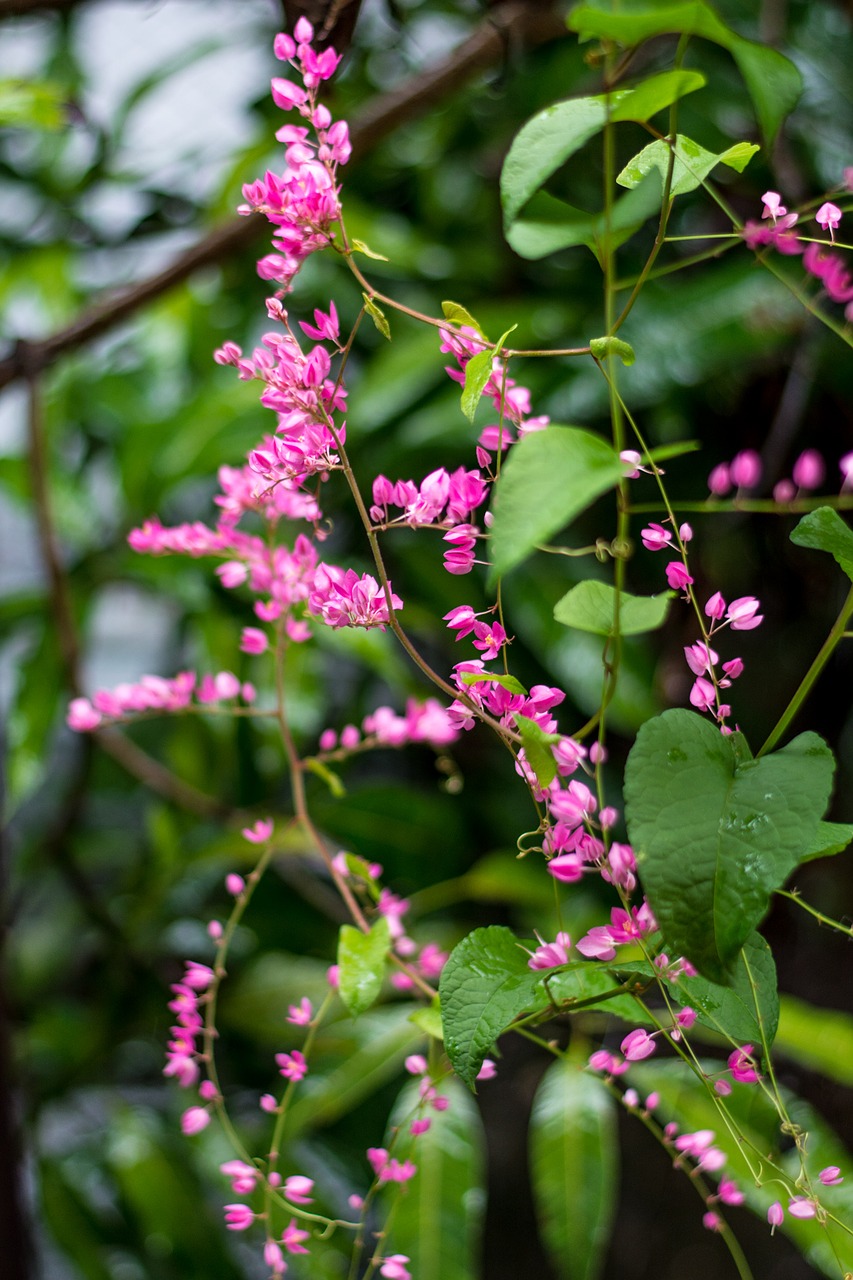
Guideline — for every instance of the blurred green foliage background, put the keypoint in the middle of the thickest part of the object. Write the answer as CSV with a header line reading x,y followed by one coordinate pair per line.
x,y
149,118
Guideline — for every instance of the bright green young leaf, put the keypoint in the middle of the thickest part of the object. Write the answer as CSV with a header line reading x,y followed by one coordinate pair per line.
x,y
457,314
756,1129
27,105
574,1168
537,749
377,315
506,682
601,348
829,838
327,775
437,1223
478,370
824,530
360,247
549,477
751,1003
716,832
485,984
820,1039
692,163
591,606
773,82
361,957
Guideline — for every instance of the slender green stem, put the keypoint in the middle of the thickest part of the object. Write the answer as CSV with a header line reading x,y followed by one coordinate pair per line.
x,y
826,651
793,896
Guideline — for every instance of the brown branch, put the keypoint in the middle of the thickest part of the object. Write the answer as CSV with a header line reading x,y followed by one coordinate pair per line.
x,y
508,25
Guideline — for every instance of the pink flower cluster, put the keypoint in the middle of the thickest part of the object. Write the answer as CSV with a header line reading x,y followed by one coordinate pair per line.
x,y
428,722
154,693
823,265
182,1049
745,469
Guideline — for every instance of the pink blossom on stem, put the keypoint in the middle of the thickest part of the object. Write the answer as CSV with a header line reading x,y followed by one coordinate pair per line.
x,y
253,640
773,206
274,1258
416,1064
394,1267
802,1207
828,217
703,695
234,884
238,1217
715,607
831,1175
775,1216
743,615
729,1192
292,1238
300,1015
260,832
720,480
609,1063
292,1065
298,1188
677,575
809,470
551,954
194,1120
742,1065
488,1070
655,537
711,1221
637,1044
784,491
846,466
745,469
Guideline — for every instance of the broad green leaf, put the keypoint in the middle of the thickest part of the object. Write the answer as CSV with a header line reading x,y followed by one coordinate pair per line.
x,y
72,1222
377,315
591,606
506,682
574,1165
820,1039
824,530
549,477
437,1223
773,82
601,348
457,314
829,838
361,957
692,163
756,1136
588,984
550,224
750,1003
478,370
537,749
716,832
485,984
548,140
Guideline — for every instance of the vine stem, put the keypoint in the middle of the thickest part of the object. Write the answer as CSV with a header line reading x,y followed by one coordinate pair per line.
x,y
826,651
793,896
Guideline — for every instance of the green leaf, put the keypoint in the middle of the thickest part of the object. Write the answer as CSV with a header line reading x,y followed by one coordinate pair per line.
x,y
457,314
737,1011
537,749
773,82
485,984
550,224
360,247
588,984
428,1018
550,138
478,370
692,163
327,775
601,348
820,1039
377,315
506,682
549,477
574,1168
754,1131
715,832
829,838
437,1223
361,957
591,606
824,530
25,105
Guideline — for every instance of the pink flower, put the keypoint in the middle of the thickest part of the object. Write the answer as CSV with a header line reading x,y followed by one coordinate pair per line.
x,y
488,1070
300,1015
742,1066
802,1207
831,1175
292,1238
745,469
292,1065
730,1192
773,206
655,537
243,1176
253,640
551,954
828,216
677,575
298,1188
260,832
702,695
809,470
601,1060
394,1267
82,716
274,1258
775,1216
712,1221
743,614
238,1217
194,1120
416,1064
716,607
637,1045
720,481
234,884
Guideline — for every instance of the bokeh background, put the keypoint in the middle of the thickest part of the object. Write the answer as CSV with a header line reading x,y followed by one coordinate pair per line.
x,y
150,116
